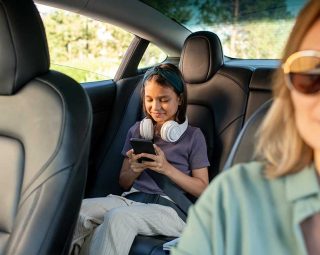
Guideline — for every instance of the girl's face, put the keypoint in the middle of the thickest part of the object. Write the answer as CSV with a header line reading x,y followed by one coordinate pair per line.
x,y
307,107
160,102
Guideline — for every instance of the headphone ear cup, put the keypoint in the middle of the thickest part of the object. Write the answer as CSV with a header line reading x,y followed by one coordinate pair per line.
x,y
146,129
170,131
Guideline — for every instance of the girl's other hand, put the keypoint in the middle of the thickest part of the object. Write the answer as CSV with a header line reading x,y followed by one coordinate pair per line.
x,y
133,161
159,163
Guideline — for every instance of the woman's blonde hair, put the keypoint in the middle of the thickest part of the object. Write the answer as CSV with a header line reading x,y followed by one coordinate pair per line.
x,y
280,144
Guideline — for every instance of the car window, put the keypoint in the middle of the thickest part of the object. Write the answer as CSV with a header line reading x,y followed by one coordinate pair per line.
x,y
83,48
249,29
152,56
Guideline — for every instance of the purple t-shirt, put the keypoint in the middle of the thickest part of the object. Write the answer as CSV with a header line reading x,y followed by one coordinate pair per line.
x,y
186,154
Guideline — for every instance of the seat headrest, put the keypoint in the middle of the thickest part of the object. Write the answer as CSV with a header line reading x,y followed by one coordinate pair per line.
x,y
23,45
201,57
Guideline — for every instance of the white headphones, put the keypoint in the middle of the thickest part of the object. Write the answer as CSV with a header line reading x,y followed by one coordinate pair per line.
x,y
171,130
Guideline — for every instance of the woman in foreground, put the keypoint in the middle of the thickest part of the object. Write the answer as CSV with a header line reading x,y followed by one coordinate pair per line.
x,y
272,205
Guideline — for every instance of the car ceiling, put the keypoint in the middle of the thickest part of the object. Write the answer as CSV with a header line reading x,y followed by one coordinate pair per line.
x,y
143,20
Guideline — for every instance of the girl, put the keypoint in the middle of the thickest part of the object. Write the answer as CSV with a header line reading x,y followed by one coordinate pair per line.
x,y
109,225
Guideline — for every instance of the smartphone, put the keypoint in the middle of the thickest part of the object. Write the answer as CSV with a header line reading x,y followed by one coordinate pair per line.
x,y
142,146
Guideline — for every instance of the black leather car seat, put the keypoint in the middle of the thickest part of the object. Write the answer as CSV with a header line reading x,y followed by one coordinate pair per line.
x,y
45,126
243,149
260,89
217,94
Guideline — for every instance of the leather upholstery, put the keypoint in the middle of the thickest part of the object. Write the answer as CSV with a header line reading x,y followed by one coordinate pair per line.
x,y
217,94
259,102
201,57
45,126
260,89
23,51
104,178
243,149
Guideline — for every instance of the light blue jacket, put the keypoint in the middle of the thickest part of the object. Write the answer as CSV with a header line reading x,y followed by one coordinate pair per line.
x,y
243,213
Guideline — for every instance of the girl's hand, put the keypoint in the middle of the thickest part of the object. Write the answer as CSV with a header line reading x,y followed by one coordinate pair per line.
x,y
159,163
133,161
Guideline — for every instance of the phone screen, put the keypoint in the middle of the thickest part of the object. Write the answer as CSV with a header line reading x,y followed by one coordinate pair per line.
x,y
142,146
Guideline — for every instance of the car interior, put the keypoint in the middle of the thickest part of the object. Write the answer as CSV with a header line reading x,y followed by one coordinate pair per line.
x,y
44,141
61,141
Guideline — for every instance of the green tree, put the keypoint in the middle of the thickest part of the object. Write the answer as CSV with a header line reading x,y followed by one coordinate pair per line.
x,y
230,11
64,39
84,48
247,28
179,10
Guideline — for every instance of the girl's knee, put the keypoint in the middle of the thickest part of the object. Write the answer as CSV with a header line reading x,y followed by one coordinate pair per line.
x,y
117,217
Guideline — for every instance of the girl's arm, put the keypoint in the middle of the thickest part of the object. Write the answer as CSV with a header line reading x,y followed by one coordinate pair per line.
x,y
194,184
130,170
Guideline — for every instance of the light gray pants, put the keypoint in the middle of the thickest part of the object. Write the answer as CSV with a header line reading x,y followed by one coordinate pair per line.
x,y
108,225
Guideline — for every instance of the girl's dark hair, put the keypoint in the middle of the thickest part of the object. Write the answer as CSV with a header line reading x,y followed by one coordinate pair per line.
x,y
182,108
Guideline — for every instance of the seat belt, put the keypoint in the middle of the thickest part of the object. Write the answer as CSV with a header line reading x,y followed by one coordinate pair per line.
x,y
171,190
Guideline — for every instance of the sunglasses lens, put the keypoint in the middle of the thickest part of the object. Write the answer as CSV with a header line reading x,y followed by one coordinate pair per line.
x,y
305,83
305,74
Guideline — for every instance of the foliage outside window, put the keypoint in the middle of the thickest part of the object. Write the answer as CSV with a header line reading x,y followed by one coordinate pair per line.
x,y
83,48
250,29
153,55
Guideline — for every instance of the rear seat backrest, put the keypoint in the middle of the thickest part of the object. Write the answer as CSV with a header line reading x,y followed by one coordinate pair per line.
x,y
259,89
243,149
127,110
258,104
217,94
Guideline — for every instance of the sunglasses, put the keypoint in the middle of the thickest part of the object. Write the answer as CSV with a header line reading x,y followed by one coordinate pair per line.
x,y
302,71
